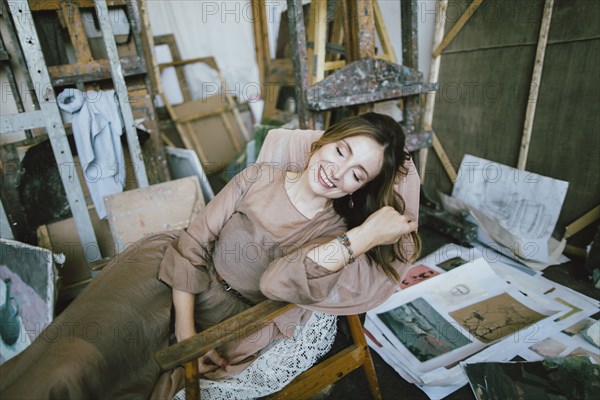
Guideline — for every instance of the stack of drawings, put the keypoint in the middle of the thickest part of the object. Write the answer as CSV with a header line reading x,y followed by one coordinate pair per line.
x,y
469,305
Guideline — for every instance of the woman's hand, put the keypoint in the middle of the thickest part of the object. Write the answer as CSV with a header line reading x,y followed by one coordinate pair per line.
x,y
184,328
210,362
386,226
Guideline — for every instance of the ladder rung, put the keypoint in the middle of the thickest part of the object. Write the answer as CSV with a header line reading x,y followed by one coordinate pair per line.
x,y
22,121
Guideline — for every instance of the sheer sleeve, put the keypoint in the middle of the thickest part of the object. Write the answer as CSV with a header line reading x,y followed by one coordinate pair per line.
x,y
359,287
183,264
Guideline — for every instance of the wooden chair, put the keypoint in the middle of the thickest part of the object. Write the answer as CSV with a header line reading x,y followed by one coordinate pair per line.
x,y
305,385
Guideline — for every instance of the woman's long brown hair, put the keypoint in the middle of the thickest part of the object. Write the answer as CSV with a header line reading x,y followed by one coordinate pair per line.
x,y
378,192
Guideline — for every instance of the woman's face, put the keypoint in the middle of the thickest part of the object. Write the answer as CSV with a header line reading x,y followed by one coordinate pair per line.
x,y
340,168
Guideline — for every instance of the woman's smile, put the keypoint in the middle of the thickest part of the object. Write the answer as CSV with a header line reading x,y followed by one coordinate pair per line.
x,y
324,179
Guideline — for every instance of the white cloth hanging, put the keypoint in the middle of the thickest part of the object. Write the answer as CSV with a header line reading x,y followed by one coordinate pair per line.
x,y
97,127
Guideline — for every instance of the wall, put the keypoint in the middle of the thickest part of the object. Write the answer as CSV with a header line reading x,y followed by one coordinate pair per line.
x,y
485,75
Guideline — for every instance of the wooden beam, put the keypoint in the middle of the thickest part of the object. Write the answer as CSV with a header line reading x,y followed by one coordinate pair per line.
x,y
410,38
384,38
192,386
95,70
45,5
298,50
358,335
365,26
74,23
29,41
261,39
583,221
316,55
350,36
322,374
243,324
534,87
444,158
457,27
434,69
121,92
169,40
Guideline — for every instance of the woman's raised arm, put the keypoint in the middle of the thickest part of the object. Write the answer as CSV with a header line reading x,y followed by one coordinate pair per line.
x,y
314,275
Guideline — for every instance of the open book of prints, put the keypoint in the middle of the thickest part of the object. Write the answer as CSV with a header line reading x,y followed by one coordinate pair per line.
x,y
457,306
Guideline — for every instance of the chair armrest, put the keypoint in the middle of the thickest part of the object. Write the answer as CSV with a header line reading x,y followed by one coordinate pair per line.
x,y
243,324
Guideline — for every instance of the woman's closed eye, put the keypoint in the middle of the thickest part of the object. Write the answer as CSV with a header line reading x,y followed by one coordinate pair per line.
x,y
339,151
355,177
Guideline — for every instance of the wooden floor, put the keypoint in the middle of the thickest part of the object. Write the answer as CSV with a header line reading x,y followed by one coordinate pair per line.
x,y
354,385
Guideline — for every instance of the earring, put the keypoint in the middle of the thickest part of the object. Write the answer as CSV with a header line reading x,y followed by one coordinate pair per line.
x,y
351,203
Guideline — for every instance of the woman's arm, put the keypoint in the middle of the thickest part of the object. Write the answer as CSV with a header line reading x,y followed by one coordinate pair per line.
x,y
314,275
182,267
385,226
183,302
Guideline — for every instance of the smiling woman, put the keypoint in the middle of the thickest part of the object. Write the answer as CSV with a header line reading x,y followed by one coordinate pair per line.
x,y
270,233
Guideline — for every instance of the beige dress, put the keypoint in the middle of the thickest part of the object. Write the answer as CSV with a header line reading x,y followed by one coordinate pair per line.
x,y
252,235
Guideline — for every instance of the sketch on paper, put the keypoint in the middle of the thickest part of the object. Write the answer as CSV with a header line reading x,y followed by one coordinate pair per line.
x,y
496,317
457,289
511,196
422,330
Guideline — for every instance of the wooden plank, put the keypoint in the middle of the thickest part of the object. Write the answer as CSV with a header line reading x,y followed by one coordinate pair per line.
x,y
318,20
534,87
45,5
79,40
243,324
95,70
409,12
337,34
157,208
210,61
358,335
323,374
133,16
382,32
192,386
20,61
169,40
121,91
298,49
261,38
350,36
583,221
22,121
434,69
365,25
437,145
331,65
457,27
411,108
29,40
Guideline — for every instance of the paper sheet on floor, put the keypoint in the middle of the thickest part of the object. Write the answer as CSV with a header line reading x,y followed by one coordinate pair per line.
x,y
515,210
